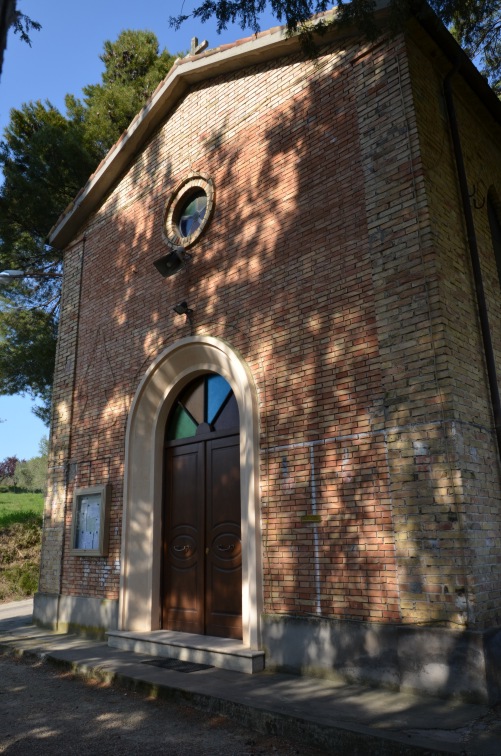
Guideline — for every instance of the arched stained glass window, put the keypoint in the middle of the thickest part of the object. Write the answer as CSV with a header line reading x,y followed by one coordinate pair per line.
x,y
206,405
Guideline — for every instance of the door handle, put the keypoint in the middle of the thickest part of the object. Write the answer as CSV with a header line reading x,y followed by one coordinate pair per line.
x,y
181,548
226,548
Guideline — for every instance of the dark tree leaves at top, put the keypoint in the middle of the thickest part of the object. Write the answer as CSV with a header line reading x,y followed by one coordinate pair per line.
x,y
475,23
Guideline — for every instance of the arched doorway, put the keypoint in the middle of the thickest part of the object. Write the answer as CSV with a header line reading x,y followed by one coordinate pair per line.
x,y
202,551
140,607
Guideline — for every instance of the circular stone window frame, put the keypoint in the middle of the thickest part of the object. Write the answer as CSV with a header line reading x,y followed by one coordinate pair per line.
x,y
177,201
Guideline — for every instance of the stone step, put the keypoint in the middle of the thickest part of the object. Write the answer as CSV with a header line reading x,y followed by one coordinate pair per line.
x,y
223,653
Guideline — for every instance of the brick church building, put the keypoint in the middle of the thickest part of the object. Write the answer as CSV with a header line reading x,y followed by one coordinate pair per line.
x,y
276,424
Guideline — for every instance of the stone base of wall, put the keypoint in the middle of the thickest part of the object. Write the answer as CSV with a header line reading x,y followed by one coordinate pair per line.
x,y
86,616
428,660
434,661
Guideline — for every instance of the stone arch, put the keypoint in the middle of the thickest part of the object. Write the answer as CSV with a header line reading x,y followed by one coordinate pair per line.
x,y
176,366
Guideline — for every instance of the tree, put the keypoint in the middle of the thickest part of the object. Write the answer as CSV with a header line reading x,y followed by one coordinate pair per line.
x,y
133,69
43,446
27,354
46,157
477,26
31,474
8,468
476,23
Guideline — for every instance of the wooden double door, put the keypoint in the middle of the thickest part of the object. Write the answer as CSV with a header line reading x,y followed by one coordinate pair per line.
x,y
202,552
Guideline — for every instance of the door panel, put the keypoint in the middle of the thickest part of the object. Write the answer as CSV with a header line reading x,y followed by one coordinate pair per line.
x,y
223,545
183,577
202,548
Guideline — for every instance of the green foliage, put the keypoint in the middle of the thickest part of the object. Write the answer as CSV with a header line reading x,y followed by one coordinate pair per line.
x,y
20,542
477,23
133,69
19,581
27,578
24,25
20,545
477,26
43,446
46,157
31,475
26,474
27,351
45,160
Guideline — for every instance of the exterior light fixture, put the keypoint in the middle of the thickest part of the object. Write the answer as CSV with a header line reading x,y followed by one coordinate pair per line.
x,y
9,275
183,309
172,262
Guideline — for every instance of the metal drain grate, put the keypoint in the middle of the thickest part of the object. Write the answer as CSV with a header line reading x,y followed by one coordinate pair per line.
x,y
177,665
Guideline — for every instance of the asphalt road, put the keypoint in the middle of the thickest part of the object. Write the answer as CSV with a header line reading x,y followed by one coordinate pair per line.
x,y
45,710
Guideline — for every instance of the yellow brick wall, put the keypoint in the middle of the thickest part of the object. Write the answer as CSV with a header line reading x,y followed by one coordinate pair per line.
x,y
471,488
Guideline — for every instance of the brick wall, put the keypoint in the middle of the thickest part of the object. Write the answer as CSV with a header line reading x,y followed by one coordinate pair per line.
x,y
473,493
61,421
415,401
324,268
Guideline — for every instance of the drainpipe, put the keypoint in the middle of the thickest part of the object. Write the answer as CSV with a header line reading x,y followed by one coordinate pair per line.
x,y
474,256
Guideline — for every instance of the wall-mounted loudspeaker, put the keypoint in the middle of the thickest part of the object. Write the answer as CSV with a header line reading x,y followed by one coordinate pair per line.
x,y
171,262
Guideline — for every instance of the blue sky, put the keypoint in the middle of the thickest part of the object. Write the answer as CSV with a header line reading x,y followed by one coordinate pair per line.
x,y
63,58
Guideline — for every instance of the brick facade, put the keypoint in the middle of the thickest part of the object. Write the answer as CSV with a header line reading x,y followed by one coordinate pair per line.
x,y
336,266
470,486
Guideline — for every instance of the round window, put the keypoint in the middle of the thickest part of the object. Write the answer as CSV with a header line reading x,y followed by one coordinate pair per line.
x,y
188,211
192,212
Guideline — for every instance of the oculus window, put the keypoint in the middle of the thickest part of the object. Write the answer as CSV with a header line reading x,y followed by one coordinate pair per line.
x,y
188,211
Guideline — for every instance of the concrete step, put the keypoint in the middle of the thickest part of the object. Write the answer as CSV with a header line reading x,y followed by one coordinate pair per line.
x,y
223,653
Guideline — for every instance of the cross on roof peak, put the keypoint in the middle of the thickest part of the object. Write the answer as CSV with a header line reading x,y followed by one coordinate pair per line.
x,y
196,48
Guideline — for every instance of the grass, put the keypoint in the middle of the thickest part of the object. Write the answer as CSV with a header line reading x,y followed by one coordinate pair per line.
x,y
20,541
19,507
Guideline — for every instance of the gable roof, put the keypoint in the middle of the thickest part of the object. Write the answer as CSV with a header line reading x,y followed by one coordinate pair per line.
x,y
185,72
261,48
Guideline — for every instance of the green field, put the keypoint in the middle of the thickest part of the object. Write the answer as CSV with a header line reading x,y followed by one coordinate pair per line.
x,y
20,539
19,507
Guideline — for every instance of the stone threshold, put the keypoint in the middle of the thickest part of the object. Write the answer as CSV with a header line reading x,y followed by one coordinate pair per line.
x,y
223,653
